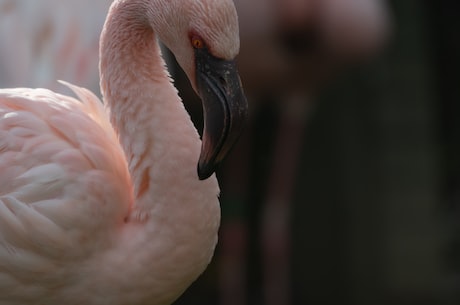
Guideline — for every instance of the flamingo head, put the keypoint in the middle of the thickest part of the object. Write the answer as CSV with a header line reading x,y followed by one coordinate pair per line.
x,y
203,35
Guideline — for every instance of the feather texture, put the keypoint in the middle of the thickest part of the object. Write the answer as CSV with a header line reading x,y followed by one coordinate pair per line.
x,y
102,204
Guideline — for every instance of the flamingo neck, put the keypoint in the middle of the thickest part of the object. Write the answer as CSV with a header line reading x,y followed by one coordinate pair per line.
x,y
160,142
172,228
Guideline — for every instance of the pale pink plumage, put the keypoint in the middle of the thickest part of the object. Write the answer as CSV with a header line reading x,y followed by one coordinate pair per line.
x,y
95,214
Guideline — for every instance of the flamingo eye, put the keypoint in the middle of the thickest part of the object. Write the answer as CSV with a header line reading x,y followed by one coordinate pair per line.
x,y
197,42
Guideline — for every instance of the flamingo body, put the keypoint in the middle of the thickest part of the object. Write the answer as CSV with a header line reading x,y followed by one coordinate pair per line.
x,y
63,184
103,204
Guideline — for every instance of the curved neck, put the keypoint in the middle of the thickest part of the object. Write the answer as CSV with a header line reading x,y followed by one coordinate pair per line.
x,y
172,206
157,135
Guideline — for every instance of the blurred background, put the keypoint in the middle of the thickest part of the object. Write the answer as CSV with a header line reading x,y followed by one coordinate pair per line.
x,y
345,187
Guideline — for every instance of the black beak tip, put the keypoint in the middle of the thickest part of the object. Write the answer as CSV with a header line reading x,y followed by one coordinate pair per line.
x,y
205,170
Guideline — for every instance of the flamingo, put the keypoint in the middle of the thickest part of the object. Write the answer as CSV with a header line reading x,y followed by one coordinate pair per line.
x,y
50,39
119,204
306,43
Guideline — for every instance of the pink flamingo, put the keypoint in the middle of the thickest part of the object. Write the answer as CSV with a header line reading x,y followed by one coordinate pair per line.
x,y
305,43
108,208
50,39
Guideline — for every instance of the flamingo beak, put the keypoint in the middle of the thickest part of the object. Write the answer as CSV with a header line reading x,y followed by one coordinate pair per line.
x,y
225,108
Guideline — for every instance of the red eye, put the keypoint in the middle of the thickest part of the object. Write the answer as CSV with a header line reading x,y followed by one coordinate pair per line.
x,y
197,42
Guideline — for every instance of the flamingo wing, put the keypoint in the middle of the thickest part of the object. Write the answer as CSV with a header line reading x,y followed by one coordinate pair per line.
x,y
64,185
